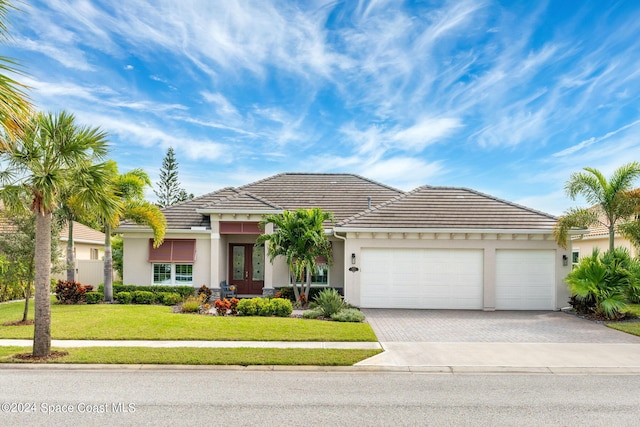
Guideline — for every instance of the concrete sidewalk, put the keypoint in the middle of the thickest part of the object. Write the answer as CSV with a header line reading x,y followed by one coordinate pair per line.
x,y
509,357
198,344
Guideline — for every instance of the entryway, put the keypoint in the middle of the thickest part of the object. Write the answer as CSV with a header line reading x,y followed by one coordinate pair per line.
x,y
246,268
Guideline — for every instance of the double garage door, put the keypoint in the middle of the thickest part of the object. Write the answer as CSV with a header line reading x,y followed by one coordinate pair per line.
x,y
454,279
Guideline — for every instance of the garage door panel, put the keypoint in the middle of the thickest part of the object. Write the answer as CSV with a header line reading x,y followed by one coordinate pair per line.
x,y
421,278
525,280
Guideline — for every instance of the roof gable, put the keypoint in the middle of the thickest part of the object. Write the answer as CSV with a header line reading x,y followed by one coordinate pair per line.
x,y
430,207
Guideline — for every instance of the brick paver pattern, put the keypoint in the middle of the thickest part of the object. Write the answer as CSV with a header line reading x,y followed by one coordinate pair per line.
x,y
399,325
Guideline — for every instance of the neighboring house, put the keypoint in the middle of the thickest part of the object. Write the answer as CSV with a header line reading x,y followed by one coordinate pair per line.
x,y
88,248
598,237
433,247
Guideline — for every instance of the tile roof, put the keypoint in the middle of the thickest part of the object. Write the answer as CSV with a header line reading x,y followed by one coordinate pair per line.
x,y
450,208
241,202
82,233
343,194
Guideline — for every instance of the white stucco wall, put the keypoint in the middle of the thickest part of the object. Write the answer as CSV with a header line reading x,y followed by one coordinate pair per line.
x,y
137,268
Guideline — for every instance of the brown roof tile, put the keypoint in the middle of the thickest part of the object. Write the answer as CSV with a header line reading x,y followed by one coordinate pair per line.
x,y
342,194
450,208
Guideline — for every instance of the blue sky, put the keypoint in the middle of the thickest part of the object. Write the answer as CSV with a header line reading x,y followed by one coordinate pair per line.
x,y
505,97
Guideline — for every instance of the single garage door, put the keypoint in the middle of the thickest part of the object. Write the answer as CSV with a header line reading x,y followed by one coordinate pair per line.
x,y
421,278
525,279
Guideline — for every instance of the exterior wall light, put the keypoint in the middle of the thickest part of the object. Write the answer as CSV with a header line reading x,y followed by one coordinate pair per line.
x,y
353,259
565,260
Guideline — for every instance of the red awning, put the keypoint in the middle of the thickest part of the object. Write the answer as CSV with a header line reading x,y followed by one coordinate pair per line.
x,y
173,250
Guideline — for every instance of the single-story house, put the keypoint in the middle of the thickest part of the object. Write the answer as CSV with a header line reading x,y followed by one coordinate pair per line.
x,y
431,248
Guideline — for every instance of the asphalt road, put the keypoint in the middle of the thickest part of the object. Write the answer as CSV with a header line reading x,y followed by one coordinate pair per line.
x,y
30,397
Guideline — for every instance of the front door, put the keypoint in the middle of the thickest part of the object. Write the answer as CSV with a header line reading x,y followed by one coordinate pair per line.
x,y
246,268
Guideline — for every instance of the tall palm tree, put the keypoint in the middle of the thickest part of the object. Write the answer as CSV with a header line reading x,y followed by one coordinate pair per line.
x,y
15,108
300,238
129,190
52,153
610,199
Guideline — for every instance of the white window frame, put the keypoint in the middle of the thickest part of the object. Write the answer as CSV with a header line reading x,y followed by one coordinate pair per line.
x,y
173,281
573,252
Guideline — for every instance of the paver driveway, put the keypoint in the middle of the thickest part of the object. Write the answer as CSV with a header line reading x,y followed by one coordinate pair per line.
x,y
395,325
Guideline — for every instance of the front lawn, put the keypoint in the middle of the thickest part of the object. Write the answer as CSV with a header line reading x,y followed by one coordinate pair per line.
x,y
629,327
199,356
153,322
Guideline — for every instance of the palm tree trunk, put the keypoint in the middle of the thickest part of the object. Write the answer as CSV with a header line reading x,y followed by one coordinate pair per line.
x,y
71,264
108,265
294,283
42,330
612,235
307,289
27,297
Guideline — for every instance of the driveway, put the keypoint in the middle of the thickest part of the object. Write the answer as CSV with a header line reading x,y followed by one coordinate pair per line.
x,y
395,325
499,341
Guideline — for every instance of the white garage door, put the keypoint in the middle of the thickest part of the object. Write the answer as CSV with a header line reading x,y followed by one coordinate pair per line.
x,y
421,278
525,280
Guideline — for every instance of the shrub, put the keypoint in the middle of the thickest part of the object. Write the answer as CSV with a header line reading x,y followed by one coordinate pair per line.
x,y
170,298
601,284
70,292
330,302
184,291
143,297
287,293
233,306
348,315
124,297
248,307
222,306
190,305
314,313
281,307
93,297
264,307
205,293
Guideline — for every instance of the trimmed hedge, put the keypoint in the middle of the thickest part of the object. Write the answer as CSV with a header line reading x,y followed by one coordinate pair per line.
x,y
184,291
124,297
265,307
93,297
287,292
143,297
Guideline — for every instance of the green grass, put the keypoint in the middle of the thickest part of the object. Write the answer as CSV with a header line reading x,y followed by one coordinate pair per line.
x,y
629,327
153,322
199,356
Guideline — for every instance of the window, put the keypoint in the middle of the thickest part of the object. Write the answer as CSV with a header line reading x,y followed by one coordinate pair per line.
x,y
320,276
184,274
93,254
172,274
575,257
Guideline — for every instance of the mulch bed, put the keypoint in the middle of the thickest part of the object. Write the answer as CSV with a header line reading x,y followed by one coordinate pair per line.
x,y
18,323
30,358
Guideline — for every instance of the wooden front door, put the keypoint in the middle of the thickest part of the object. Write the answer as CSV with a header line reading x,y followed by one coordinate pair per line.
x,y
246,268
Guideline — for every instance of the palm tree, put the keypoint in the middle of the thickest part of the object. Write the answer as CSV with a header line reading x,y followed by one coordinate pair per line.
x,y
610,199
52,153
129,190
300,238
15,108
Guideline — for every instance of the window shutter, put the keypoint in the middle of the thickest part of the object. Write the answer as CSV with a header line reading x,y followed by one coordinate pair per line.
x,y
173,250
